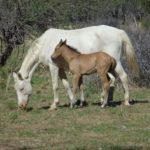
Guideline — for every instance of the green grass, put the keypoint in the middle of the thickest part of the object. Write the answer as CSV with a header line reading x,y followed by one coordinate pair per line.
x,y
90,128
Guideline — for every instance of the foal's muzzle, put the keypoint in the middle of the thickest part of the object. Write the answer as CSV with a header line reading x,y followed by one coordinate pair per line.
x,y
52,57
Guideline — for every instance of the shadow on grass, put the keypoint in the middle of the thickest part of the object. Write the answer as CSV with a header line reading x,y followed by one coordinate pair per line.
x,y
110,103
139,101
61,106
16,147
29,109
77,104
126,148
85,104
118,103
44,107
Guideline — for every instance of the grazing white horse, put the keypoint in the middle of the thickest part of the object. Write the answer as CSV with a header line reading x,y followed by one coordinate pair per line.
x,y
87,40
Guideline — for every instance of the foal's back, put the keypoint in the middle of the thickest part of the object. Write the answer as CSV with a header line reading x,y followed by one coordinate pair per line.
x,y
90,63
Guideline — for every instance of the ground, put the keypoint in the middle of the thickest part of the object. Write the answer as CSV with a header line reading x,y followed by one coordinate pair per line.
x,y
116,127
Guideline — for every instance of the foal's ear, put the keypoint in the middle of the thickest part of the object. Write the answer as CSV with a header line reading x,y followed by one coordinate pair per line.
x,y
61,42
65,41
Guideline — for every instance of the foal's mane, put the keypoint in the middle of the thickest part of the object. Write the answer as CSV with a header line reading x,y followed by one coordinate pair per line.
x,y
72,49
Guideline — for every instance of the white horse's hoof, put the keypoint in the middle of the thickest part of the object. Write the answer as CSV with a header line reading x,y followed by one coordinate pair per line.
x,y
101,101
102,106
127,103
71,106
52,108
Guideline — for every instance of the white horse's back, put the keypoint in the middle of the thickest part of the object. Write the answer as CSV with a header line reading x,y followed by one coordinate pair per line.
x,y
86,40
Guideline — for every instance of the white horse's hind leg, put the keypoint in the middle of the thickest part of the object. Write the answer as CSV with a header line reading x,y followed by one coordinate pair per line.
x,y
123,76
54,76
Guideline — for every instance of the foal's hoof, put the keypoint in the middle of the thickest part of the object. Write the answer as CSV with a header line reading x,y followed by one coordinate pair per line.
x,y
74,105
81,105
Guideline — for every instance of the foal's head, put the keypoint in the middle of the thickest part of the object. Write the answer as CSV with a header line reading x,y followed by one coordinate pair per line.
x,y
58,49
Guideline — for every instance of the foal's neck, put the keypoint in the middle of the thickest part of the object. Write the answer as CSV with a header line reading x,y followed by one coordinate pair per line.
x,y
69,54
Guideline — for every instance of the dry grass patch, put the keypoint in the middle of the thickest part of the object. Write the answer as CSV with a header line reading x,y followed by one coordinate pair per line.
x,y
115,127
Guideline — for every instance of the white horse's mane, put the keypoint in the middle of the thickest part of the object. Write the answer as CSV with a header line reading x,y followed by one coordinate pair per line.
x,y
31,59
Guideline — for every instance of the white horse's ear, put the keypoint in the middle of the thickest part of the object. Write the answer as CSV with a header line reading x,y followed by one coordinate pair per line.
x,y
28,78
15,75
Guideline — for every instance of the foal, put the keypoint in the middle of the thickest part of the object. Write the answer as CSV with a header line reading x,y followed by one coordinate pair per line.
x,y
84,64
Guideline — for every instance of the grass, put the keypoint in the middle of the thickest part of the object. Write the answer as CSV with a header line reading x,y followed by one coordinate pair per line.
x,y
116,127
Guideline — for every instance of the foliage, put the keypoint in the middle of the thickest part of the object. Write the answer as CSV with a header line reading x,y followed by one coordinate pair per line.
x,y
19,19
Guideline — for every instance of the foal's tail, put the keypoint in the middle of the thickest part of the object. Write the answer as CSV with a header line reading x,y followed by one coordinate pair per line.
x,y
130,53
113,66
111,72
112,78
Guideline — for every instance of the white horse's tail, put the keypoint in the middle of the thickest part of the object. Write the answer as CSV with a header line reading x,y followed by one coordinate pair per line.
x,y
130,53
112,78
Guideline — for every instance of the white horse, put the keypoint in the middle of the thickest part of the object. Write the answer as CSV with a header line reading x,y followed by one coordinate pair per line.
x,y
91,39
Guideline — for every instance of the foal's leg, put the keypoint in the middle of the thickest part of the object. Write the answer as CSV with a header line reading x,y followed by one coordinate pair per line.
x,y
106,87
123,76
81,91
75,87
102,95
106,91
65,82
112,89
54,76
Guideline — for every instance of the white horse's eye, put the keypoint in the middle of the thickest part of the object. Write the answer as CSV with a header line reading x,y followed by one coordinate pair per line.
x,y
21,89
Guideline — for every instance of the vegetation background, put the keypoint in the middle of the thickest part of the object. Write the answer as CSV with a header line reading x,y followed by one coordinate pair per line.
x,y
27,19
115,128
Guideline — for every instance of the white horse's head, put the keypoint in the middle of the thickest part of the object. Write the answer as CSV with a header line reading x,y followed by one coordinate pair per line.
x,y
23,89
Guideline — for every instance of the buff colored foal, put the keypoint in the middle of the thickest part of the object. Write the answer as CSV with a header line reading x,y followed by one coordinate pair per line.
x,y
85,64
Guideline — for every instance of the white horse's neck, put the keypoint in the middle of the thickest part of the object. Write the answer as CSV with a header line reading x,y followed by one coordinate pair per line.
x,y
30,62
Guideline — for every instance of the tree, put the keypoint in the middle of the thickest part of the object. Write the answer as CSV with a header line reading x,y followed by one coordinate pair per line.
x,y
11,28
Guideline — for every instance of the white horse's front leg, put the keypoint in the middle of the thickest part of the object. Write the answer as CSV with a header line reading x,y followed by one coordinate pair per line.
x,y
54,75
66,84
